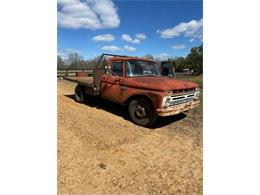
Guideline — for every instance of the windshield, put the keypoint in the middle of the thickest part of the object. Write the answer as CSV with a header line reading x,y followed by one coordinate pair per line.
x,y
141,68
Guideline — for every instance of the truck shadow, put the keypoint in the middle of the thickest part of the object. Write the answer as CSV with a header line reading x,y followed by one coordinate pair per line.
x,y
121,111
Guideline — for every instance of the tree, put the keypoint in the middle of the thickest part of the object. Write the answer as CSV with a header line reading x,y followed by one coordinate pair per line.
x,y
75,61
148,56
195,59
60,63
180,64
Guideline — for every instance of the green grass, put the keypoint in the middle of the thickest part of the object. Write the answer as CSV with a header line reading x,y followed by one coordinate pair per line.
x,y
196,79
196,114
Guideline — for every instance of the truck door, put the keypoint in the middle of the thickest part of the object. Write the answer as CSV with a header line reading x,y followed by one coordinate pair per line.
x,y
110,83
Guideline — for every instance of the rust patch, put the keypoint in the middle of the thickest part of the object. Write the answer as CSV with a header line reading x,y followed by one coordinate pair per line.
x,y
157,83
177,109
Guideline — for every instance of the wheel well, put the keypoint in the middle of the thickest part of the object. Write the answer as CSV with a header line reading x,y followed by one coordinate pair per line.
x,y
138,96
80,86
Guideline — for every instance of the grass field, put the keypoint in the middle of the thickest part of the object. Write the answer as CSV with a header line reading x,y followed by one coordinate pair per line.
x,y
197,113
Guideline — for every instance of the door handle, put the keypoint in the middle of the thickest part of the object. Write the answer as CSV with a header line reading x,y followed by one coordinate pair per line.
x,y
123,87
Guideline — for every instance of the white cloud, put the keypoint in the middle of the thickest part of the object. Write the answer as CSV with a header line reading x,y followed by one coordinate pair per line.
x,y
191,40
140,36
163,56
70,50
90,14
128,38
179,46
111,48
64,55
116,48
129,48
136,41
104,37
192,29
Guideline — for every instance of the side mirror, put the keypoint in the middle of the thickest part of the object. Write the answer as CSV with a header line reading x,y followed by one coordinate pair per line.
x,y
107,70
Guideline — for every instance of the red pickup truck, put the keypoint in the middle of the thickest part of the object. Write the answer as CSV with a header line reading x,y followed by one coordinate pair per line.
x,y
137,83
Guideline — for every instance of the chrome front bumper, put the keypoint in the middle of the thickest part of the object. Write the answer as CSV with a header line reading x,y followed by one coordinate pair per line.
x,y
177,108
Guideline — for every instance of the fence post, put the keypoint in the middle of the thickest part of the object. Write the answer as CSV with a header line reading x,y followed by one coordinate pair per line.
x,y
67,73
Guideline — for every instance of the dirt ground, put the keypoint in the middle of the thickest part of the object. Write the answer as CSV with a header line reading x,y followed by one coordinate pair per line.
x,y
101,152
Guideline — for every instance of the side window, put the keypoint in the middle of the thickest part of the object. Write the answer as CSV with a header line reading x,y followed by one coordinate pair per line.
x,y
117,68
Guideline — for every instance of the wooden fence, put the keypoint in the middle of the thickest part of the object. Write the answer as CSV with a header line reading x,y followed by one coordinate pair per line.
x,y
72,73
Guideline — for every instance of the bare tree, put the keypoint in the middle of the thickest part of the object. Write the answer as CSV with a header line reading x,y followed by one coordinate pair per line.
x,y
148,56
60,63
75,61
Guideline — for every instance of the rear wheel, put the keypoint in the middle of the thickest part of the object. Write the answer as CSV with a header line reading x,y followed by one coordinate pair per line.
x,y
142,112
80,93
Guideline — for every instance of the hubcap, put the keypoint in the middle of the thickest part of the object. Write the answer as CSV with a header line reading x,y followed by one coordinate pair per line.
x,y
79,93
140,111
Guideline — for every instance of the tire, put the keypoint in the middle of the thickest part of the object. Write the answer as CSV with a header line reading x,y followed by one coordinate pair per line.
x,y
80,94
141,112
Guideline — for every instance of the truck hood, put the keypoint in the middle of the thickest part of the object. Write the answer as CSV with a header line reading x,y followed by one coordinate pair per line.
x,y
158,83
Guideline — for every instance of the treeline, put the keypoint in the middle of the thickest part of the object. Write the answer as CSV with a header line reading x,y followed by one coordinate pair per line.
x,y
194,60
75,61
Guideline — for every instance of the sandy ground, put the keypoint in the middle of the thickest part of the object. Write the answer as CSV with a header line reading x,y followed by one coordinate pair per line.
x,y
101,152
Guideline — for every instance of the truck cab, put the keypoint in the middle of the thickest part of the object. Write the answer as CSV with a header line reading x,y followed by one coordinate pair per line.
x,y
138,84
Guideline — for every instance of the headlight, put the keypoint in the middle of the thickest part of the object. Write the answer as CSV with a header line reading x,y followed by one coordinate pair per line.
x,y
197,95
166,102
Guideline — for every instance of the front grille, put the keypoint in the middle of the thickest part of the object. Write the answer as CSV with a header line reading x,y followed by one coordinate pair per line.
x,y
179,99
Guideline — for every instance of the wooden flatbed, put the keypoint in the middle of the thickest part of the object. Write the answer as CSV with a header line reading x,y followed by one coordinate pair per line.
x,y
88,82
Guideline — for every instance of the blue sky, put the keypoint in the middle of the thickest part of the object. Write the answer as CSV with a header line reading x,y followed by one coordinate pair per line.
x,y
161,28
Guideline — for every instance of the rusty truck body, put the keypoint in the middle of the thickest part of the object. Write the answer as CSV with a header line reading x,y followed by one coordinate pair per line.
x,y
136,83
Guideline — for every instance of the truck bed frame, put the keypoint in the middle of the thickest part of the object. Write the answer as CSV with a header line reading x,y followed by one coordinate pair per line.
x,y
87,82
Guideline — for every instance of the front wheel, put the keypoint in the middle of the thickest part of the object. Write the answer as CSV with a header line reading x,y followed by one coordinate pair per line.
x,y
142,112
80,93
